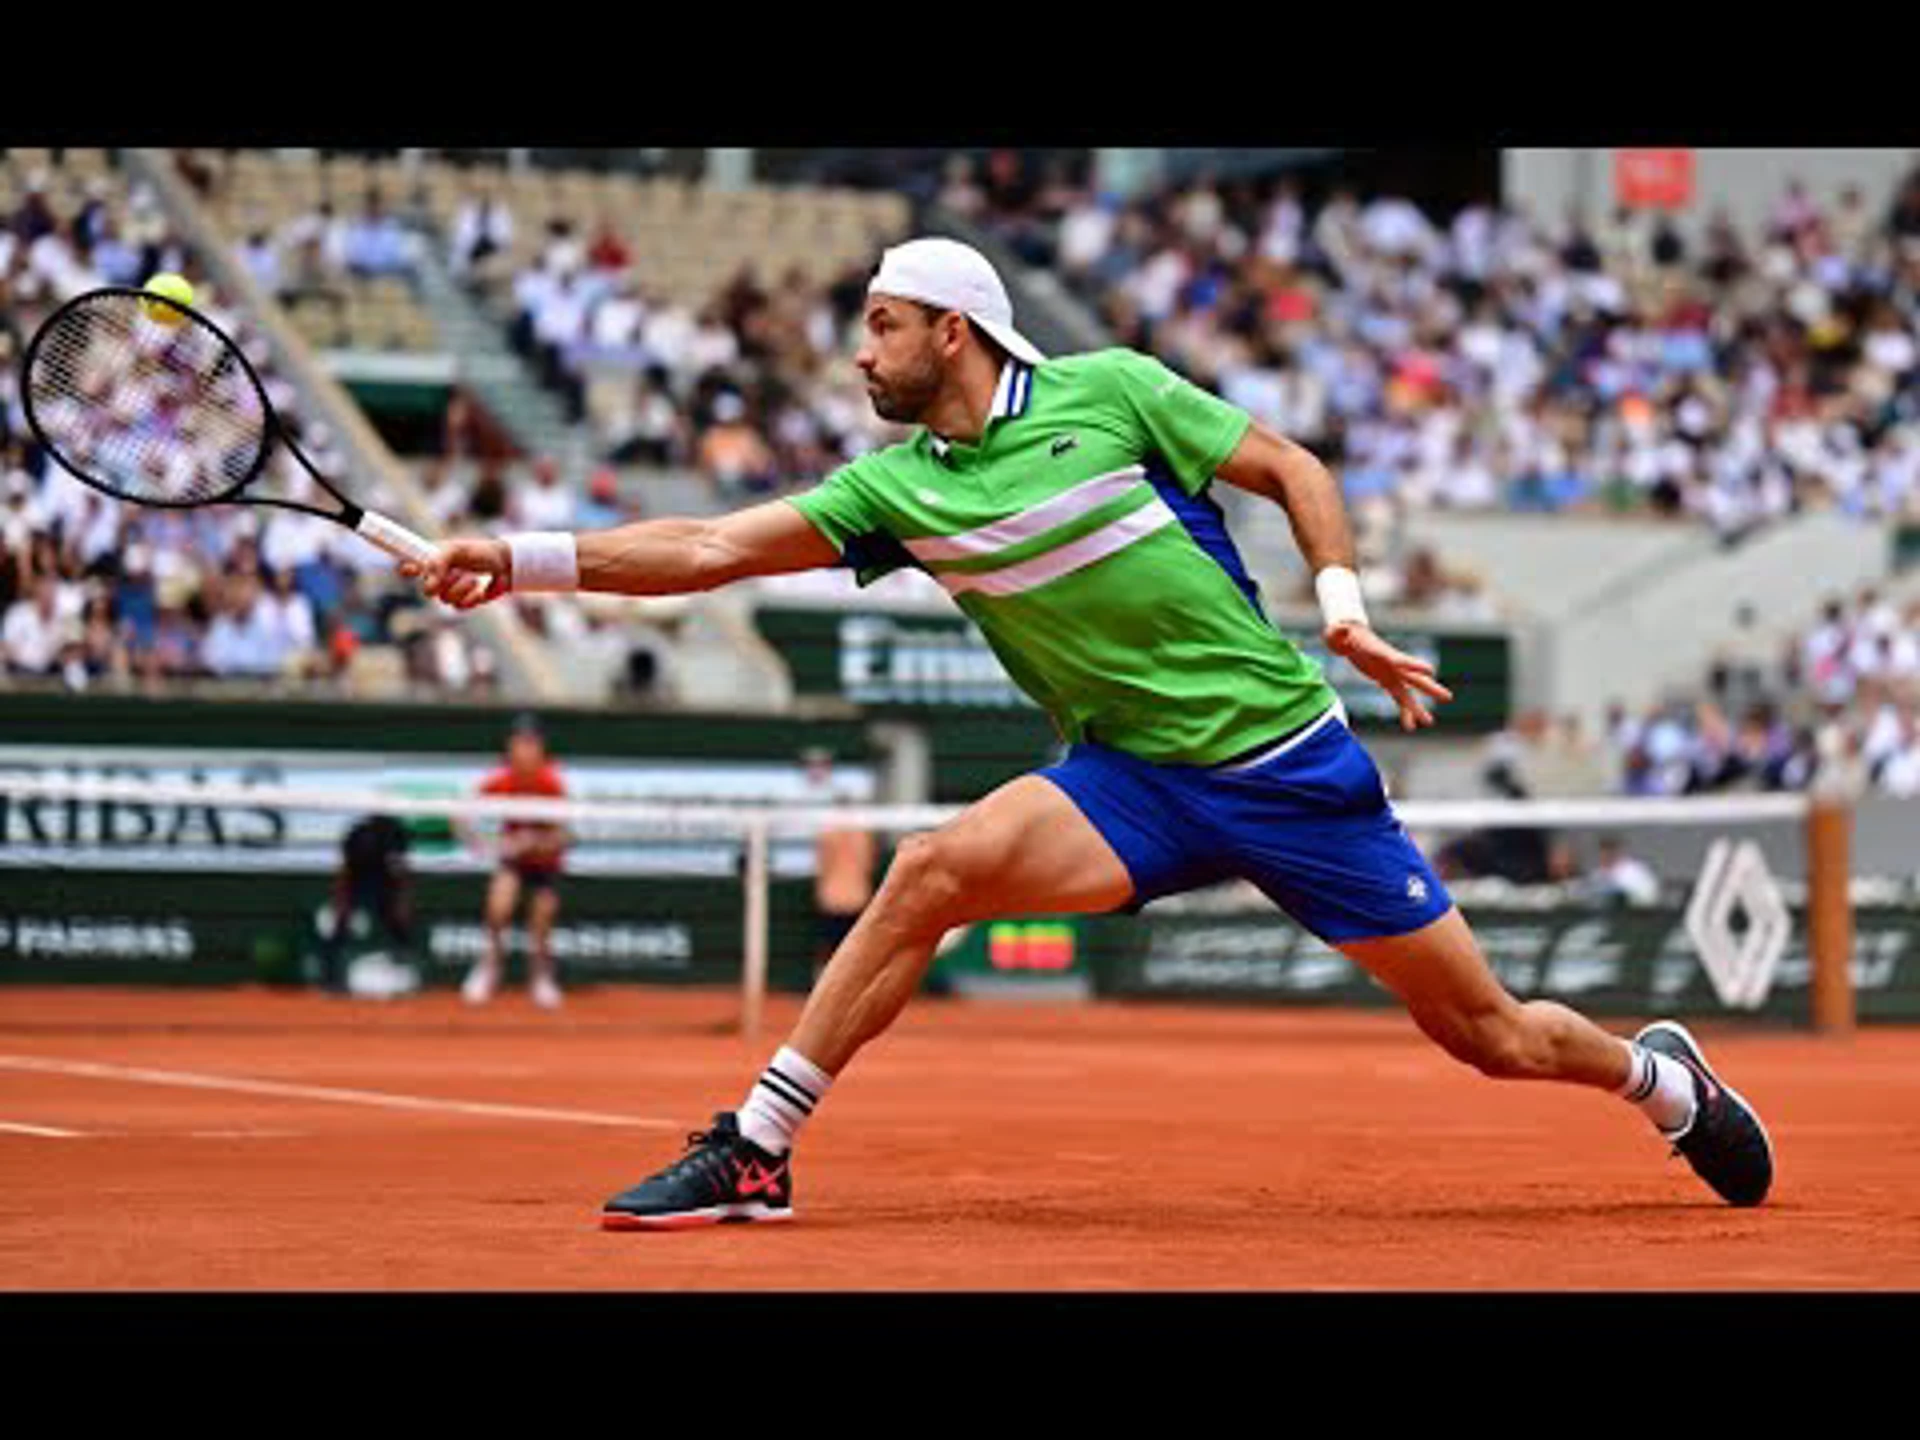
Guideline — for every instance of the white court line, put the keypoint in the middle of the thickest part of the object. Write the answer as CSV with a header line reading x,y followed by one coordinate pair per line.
x,y
193,1081
16,1128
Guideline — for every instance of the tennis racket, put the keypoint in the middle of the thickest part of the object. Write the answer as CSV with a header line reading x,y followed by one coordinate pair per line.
x,y
167,412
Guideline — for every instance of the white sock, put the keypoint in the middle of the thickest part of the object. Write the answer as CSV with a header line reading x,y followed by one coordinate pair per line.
x,y
1662,1087
782,1099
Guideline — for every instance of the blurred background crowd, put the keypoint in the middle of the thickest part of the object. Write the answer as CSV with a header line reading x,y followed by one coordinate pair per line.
x,y
1481,360
92,590
1500,359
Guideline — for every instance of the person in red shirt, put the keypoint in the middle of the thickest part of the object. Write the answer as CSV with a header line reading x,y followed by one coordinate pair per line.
x,y
530,857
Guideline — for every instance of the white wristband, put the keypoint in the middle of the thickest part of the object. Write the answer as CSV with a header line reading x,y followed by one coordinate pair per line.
x,y
1339,592
544,560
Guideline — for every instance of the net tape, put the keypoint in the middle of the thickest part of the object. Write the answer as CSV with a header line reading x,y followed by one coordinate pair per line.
x,y
692,819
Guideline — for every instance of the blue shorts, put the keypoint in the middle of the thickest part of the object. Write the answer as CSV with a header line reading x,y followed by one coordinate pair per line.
x,y
1305,819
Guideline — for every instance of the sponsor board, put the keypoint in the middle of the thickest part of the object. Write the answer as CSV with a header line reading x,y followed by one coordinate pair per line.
x,y
36,832
106,937
224,927
931,662
1629,962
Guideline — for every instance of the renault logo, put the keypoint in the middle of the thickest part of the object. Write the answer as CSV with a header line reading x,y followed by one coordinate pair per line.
x,y
1741,967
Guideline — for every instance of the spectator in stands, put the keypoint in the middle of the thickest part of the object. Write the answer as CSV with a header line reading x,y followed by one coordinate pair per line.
x,y
261,257
446,498
614,321
488,502
375,243
482,230
609,253
99,650
733,456
179,634
35,632
325,232
449,658
1898,772
557,324
17,512
960,190
1739,674
117,262
289,617
601,509
545,504
307,274
652,430
242,638
1903,216
1087,233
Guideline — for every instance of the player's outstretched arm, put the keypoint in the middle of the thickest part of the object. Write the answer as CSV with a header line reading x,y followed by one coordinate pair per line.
x,y
1269,464
649,557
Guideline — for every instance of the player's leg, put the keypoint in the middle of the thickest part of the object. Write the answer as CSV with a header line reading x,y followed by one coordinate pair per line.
x,y
503,893
1454,997
543,980
1452,994
1025,849
1315,831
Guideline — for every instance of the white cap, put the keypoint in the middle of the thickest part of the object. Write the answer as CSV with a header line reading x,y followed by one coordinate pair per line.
x,y
942,272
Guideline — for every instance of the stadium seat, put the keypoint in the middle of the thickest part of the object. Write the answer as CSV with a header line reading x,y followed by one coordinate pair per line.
x,y
376,670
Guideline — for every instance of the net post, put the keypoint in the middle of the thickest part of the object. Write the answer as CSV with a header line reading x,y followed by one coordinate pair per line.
x,y
753,977
1830,913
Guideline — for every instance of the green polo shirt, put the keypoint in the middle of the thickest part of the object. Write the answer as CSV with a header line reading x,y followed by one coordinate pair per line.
x,y
1079,536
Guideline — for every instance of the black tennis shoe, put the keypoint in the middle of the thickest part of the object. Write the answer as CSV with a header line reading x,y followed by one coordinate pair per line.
x,y
1725,1143
724,1178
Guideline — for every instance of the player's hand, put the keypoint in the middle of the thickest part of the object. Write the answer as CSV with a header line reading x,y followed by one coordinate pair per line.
x,y
464,573
1405,677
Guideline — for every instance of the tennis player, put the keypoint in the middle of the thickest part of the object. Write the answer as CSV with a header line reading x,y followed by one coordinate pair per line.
x,y
1063,504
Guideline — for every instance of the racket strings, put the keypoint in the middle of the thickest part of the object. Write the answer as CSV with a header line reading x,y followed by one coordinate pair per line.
x,y
153,412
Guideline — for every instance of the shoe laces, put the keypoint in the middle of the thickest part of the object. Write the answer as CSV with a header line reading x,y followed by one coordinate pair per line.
x,y
704,1151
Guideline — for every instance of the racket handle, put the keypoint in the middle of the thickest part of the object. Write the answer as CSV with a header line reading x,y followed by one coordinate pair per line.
x,y
393,537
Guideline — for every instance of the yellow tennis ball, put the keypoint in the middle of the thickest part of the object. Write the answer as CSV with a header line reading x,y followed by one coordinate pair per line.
x,y
171,287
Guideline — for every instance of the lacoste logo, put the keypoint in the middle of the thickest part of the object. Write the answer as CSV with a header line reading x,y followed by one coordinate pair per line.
x,y
1416,889
755,1179
1063,445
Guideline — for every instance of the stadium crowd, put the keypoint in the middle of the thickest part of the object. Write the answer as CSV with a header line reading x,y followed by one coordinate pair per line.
x,y
1842,700
1491,362
96,591
1839,702
745,388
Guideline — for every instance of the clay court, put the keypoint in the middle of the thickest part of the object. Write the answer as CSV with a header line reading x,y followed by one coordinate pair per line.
x,y
251,1139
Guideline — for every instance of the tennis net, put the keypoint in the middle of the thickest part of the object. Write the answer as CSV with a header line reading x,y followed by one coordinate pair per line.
x,y
133,880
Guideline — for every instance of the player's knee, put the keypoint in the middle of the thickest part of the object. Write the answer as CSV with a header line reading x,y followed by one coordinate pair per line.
x,y
924,883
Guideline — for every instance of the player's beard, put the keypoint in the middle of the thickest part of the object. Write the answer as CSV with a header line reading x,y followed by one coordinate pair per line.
x,y
904,397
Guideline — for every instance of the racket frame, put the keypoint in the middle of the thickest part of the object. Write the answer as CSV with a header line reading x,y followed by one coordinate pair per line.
x,y
388,534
